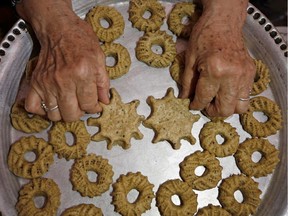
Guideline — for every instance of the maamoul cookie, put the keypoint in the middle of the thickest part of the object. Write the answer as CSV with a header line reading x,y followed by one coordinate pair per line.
x,y
180,11
35,188
247,186
211,210
121,57
83,210
126,183
211,176
171,119
79,177
188,198
262,78
267,163
57,139
145,54
112,17
209,142
20,166
23,121
177,67
118,122
257,128
137,10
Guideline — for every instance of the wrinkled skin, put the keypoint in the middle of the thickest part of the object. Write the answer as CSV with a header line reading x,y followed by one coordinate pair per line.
x,y
218,68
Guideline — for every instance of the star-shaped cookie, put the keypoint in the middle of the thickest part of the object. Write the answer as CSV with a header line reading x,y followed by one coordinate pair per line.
x,y
171,119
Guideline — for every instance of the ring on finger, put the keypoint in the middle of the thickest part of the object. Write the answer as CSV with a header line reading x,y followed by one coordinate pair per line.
x,y
46,109
244,99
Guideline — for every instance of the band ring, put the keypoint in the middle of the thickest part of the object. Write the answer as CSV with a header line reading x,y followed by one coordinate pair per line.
x,y
244,99
46,109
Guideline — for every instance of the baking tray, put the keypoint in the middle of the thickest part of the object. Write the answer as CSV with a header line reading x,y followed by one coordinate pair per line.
x,y
157,161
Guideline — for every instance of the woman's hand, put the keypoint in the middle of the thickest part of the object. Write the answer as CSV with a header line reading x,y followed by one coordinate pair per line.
x,y
219,72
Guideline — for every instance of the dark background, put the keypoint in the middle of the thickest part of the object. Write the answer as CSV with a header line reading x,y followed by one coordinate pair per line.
x,y
275,10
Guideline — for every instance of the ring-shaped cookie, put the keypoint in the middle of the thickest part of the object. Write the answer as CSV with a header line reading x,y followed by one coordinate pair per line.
x,y
262,78
249,189
79,177
23,121
211,210
180,11
137,10
126,183
83,209
267,163
121,57
57,138
42,187
112,17
188,198
257,128
208,141
30,169
145,54
211,176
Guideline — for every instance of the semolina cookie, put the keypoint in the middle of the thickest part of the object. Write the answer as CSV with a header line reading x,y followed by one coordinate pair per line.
x,y
171,119
257,128
23,121
249,189
262,78
159,38
121,57
177,67
83,209
20,166
112,17
188,205
57,138
137,11
39,187
211,210
267,163
208,138
79,177
126,183
118,122
211,176
179,12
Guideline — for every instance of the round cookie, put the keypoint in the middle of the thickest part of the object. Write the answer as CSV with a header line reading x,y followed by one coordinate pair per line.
x,y
267,163
121,57
126,183
83,209
112,17
57,139
209,142
137,11
79,177
211,210
211,176
39,187
247,186
145,44
188,205
177,67
30,169
262,78
257,128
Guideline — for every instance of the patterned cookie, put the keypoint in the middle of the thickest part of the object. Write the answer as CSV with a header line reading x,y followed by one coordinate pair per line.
x,y
83,209
262,78
211,176
126,183
257,128
57,139
211,210
118,122
112,17
171,119
145,54
23,121
137,11
177,67
188,205
247,186
39,187
267,163
209,142
121,57
79,177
